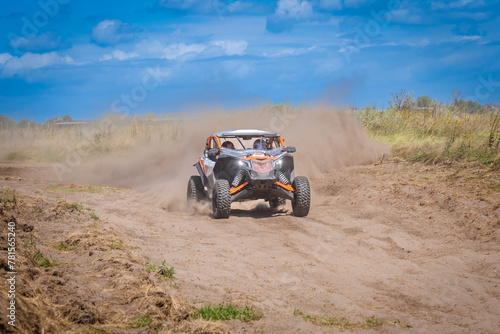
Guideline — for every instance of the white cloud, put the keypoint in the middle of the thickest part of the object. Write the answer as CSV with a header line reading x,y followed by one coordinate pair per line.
x,y
438,5
110,32
4,57
466,38
232,48
405,16
32,61
356,3
155,49
294,9
177,51
119,55
46,41
211,6
330,4
289,52
174,51
202,6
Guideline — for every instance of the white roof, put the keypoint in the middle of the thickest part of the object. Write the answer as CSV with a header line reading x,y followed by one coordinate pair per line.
x,y
246,132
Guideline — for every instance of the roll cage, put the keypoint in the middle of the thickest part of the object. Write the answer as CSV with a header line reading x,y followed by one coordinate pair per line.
x,y
272,140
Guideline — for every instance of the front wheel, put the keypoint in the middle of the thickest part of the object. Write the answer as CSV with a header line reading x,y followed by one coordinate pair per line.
x,y
221,199
302,197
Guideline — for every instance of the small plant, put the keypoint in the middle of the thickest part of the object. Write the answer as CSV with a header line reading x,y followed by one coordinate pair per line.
x,y
150,267
63,247
372,322
338,322
222,312
31,240
76,206
115,245
41,260
7,196
165,271
94,216
141,322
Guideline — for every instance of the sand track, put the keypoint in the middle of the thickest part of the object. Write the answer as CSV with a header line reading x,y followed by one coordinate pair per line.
x,y
407,243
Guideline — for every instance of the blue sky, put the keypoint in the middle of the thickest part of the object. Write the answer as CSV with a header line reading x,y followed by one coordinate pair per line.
x,y
87,58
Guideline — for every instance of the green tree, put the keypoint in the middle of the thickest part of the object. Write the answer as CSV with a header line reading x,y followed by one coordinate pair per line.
x,y
26,123
5,121
66,118
425,101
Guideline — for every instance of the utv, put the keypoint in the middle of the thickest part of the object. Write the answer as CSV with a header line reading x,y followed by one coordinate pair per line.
x,y
241,165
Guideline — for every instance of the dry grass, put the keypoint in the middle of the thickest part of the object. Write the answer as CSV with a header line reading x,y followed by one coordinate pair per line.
x,y
97,290
417,135
114,134
431,135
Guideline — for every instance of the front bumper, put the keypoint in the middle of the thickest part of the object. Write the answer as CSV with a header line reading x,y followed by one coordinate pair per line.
x,y
261,185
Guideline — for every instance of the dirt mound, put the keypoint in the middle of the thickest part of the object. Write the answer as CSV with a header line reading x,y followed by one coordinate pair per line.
x,y
88,280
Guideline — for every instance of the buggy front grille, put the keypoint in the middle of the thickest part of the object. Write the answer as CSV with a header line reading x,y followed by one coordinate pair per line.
x,y
262,166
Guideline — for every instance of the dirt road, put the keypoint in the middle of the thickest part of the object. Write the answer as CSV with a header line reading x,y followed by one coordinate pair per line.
x,y
414,246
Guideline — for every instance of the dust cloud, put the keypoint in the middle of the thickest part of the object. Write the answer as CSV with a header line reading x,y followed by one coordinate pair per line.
x,y
325,139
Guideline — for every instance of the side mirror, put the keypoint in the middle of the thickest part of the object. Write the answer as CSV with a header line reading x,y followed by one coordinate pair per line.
x,y
213,151
290,149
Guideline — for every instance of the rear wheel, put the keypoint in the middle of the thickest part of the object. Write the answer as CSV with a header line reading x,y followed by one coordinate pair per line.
x,y
221,199
302,197
195,192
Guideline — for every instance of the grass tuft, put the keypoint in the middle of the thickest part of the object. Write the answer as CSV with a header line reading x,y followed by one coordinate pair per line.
x,y
41,260
165,271
141,322
151,268
8,196
222,312
63,247
115,245
339,322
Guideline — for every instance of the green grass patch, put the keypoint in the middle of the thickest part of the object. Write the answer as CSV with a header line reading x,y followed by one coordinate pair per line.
x,y
151,268
74,206
7,196
86,189
165,271
495,187
339,322
19,156
41,260
63,247
141,322
222,312
94,216
115,245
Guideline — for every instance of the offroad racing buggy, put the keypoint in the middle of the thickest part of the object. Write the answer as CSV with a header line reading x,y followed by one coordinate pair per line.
x,y
240,165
